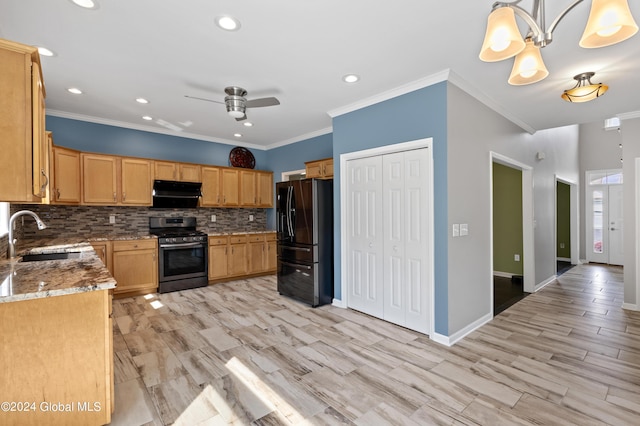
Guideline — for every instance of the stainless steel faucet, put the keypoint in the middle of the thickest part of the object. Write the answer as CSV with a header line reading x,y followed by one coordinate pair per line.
x,y
11,253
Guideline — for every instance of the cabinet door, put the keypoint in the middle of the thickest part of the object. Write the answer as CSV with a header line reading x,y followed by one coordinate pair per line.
x,y
218,261
211,187
103,250
66,176
190,173
327,169
40,167
314,169
271,260
247,188
164,170
265,189
136,182
256,257
135,270
230,187
238,259
99,179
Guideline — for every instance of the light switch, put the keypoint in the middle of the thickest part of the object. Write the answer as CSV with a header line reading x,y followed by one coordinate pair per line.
x,y
464,229
456,229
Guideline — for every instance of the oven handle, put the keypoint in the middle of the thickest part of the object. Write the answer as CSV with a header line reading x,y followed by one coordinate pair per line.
x,y
296,265
182,245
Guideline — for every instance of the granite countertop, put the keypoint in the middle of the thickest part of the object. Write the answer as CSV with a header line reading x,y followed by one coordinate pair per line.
x,y
215,234
34,280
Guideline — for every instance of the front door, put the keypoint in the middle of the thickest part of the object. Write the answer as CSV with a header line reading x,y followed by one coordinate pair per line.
x,y
604,217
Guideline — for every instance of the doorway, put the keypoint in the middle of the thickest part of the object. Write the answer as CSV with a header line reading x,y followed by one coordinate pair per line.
x,y
605,226
512,251
565,228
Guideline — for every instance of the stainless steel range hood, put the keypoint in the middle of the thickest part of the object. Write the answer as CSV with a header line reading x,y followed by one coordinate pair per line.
x,y
172,195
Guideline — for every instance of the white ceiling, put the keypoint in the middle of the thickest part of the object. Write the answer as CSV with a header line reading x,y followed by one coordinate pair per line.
x,y
298,51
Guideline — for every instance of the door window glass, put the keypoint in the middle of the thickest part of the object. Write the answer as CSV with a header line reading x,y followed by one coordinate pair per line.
x,y
597,221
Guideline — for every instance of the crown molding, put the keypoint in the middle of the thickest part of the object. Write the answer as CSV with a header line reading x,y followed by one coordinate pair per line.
x,y
301,138
628,115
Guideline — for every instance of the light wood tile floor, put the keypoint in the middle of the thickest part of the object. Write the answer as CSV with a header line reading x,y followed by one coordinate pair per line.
x,y
238,353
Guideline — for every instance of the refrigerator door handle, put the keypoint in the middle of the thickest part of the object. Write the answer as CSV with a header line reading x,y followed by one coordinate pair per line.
x,y
296,265
299,248
289,209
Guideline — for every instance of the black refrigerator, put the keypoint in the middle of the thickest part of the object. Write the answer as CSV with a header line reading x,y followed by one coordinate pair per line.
x,y
305,240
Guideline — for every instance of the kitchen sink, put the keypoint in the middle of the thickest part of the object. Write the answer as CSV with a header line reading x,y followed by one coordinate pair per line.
x,y
51,256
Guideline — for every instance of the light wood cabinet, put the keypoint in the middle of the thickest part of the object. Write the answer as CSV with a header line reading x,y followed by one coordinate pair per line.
x,y
109,180
65,185
135,266
218,257
321,169
184,172
58,350
136,183
248,188
104,251
211,187
99,179
235,256
264,184
23,141
230,187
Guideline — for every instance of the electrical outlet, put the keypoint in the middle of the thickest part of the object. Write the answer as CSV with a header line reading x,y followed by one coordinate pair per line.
x,y
250,218
213,218
561,245
112,218
516,257
464,229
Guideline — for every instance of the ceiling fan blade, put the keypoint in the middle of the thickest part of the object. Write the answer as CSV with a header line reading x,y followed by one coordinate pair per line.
x,y
203,99
244,117
262,102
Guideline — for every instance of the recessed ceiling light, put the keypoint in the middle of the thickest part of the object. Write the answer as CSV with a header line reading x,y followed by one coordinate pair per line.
x,y
237,135
146,117
142,101
44,51
87,4
228,23
248,123
350,78
74,90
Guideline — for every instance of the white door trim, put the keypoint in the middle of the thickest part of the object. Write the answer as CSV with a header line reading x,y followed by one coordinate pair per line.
x,y
574,226
528,267
387,149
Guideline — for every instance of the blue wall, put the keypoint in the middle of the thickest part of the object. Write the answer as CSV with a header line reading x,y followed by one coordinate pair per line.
x,y
416,115
100,138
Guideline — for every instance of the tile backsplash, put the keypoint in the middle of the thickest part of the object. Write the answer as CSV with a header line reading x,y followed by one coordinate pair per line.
x,y
85,221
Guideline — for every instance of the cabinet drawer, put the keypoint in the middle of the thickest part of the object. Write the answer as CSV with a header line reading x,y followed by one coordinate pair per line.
x,y
271,236
218,241
135,244
237,239
253,238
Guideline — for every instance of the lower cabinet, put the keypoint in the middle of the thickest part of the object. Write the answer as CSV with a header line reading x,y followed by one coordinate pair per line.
x,y
236,256
134,265
57,360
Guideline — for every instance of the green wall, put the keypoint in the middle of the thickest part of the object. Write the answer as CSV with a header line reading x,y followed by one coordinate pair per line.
x,y
563,226
507,219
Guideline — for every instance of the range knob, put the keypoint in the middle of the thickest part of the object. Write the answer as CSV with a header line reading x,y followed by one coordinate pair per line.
x,y
184,238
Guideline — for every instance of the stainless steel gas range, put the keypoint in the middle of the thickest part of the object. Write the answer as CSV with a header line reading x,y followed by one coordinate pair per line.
x,y
182,253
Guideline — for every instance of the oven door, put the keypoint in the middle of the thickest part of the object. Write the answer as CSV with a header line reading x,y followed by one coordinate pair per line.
x,y
180,261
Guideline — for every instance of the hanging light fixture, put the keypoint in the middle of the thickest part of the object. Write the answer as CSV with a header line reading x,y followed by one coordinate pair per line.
x,y
528,66
610,22
584,90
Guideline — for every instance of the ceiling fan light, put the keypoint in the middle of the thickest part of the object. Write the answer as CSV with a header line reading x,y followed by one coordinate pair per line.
x,y
528,67
610,22
236,113
502,39
584,90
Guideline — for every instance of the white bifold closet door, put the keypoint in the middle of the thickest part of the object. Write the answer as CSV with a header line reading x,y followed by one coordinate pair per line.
x,y
388,243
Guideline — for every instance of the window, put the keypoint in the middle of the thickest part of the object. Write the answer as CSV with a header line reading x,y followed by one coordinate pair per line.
x,y
4,219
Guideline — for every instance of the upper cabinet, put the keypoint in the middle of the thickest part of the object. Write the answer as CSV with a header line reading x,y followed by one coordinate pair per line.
x,y
110,180
23,142
230,187
65,185
183,172
211,189
321,169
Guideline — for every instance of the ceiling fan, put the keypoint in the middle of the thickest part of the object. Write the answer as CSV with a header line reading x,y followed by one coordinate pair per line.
x,y
237,103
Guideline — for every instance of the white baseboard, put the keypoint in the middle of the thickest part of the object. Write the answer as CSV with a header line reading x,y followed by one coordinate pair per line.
x,y
563,259
455,337
630,307
545,283
503,274
339,303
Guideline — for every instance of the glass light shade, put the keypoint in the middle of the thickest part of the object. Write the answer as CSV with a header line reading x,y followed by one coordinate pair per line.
x,y
610,22
528,66
502,39
584,91
236,113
